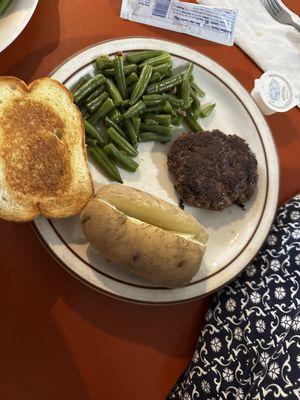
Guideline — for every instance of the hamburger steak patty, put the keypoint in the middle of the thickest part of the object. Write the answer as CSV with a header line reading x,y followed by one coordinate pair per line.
x,y
213,170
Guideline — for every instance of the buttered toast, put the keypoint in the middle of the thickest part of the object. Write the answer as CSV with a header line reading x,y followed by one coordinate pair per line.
x,y
43,163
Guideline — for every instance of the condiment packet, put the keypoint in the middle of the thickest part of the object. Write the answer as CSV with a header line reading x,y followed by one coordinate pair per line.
x,y
212,23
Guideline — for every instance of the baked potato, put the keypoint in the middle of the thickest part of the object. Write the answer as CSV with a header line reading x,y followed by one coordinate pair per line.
x,y
144,234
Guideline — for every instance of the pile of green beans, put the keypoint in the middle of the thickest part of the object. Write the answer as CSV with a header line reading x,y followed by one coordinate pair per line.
x,y
135,98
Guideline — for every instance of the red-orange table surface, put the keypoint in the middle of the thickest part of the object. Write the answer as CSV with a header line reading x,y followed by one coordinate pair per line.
x,y
58,338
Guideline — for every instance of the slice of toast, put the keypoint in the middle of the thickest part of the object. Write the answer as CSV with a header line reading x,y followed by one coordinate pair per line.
x,y
43,162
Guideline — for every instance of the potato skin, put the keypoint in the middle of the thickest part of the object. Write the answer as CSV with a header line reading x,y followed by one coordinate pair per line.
x,y
149,252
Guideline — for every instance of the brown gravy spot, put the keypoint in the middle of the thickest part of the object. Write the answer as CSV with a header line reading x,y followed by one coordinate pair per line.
x,y
36,162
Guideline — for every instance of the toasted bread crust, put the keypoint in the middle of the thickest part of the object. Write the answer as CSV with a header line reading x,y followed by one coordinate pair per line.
x,y
14,81
42,151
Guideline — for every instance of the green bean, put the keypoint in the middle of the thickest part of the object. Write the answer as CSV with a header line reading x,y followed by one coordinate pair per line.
x,y
136,122
128,69
197,89
130,88
96,103
163,76
173,100
168,73
192,123
161,59
156,77
85,114
104,62
196,105
122,143
141,84
120,76
92,132
115,115
162,68
163,130
125,103
154,109
206,111
118,156
139,56
134,110
167,107
189,71
111,124
176,120
102,111
132,78
114,92
130,131
88,87
162,119
102,159
150,121
154,137
152,99
186,87
95,93
81,82
164,85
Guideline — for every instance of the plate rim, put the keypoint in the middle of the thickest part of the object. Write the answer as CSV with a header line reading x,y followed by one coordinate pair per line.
x,y
61,238
197,297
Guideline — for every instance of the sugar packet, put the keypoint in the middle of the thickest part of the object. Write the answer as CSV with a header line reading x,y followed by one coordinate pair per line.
x,y
212,23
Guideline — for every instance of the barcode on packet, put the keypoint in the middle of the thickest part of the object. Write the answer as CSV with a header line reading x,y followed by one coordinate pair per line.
x,y
160,8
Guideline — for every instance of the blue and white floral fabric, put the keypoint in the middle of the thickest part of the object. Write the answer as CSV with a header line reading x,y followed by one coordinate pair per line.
x,y
250,345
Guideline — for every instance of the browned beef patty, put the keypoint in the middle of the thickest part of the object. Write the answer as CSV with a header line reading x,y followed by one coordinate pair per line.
x,y
213,170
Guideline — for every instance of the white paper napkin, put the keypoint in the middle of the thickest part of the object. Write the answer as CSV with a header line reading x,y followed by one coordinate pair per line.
x,y
273,46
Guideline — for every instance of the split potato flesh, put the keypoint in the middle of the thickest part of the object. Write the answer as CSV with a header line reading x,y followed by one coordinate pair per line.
x,y
144,234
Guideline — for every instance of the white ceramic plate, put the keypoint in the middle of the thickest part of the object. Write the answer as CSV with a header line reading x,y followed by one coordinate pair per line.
x,y
235,235
14,20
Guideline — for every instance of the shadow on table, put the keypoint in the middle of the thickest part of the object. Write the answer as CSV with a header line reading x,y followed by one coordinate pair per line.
x,y
35,361
35,332
171,329
41,306
245,78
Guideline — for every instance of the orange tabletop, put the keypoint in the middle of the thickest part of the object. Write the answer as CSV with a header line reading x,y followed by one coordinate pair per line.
x,y
60,339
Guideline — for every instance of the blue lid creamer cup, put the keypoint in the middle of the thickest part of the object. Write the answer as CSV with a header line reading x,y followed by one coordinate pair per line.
x,y
274,93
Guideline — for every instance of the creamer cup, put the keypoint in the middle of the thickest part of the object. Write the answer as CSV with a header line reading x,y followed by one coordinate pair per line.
x,y
274,93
